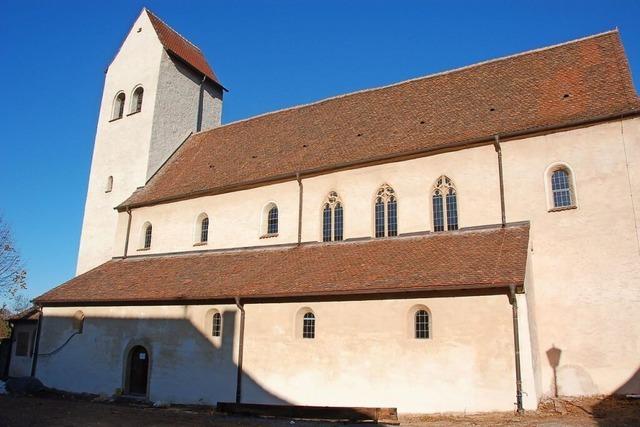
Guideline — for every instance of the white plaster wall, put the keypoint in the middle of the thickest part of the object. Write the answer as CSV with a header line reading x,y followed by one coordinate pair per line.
x,y
585,261
21,365
363,354
187,364
176,109
121,147
236,218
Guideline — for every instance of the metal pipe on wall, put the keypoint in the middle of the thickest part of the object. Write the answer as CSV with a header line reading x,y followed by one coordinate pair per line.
x,y
299,207
240,351
498,148
516,344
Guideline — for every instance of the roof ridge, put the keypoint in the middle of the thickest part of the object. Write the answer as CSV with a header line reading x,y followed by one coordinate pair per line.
x,y
428,76
171,28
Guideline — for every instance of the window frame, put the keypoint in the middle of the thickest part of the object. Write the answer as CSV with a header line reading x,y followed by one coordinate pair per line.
x,y
309,326
216,325
265,230
412,323
136,100
447,190
384,196
331,204
143,237
198,230
117,108
549,193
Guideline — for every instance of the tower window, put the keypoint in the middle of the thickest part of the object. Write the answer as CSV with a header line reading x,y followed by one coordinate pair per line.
x,y
445,205
332,219
386,212
118,106
136,105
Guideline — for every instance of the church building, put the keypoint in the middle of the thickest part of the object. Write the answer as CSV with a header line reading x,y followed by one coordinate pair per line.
x,y
464,241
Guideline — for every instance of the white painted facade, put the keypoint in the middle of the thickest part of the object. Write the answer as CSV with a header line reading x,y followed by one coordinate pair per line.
x,y
581,291
132,148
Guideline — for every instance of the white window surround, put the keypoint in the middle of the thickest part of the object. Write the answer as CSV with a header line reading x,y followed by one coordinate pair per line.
x,y
197,230
299,324
264,220
549,192
133,104
117,109
410,329
143,237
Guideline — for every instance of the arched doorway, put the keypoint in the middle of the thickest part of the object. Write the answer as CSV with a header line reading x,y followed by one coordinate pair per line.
x,y
137,371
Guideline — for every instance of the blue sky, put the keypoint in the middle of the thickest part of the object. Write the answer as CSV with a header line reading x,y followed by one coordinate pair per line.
x,y
270,54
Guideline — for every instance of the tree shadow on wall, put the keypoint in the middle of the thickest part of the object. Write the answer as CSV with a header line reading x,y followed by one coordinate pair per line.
x,y
186,364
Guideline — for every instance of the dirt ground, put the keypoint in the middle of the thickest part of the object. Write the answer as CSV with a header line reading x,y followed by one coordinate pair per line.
x,y
71,411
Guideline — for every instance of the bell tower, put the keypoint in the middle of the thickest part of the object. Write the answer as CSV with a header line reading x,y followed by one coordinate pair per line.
x,y
158,90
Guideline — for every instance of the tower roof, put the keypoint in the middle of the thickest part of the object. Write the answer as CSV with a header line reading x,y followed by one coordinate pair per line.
x,y
181,47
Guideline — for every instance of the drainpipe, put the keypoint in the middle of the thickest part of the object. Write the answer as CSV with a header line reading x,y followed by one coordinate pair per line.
x,y
516,344
240,351
34,361
496,145
299,207
200,104
126,241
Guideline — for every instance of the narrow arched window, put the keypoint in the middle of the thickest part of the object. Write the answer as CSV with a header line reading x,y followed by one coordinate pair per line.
x,y
272,220
309,326
204,230
445,205
561,188
109,186
136,105
386,212
216,328
118,106
332,219
422,324
147,236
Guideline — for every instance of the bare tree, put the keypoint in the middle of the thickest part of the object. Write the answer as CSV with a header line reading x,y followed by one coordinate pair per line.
x,y
13,276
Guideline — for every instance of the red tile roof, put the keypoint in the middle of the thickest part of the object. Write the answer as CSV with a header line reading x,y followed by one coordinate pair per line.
x,y
472,259
181,47
556,86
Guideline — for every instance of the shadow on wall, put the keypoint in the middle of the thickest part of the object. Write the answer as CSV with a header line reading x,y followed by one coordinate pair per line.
x,y
162,359
615,409
618,409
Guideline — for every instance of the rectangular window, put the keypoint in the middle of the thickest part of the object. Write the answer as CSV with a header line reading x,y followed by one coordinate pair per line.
x,y
379,219
326,224
452,212
392,218
438,216
22,344
338,227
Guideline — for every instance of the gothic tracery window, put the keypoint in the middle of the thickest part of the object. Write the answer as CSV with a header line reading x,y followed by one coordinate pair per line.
x,y
332,219
445,205
386,212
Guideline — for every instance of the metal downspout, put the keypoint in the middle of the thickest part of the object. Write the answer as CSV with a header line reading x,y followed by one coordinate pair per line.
x,y
516,345
496,145
36,348
200,105
299,207
240,352
126,241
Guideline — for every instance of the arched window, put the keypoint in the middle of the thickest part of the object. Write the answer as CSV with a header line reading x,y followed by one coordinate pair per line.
x,y
270,220
421,324
332,219
109,186
136,102
309,326
561,188
148,230
386,212
445,205
216,328
118,106
201,236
